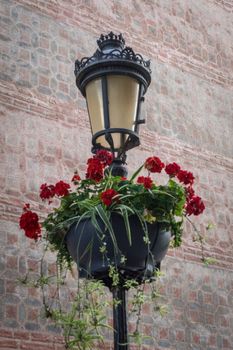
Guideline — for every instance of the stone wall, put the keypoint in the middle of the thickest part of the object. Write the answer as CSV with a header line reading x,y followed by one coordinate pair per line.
x,y
45,136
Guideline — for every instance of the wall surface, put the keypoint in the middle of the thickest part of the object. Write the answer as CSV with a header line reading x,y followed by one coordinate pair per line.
x,y
45,136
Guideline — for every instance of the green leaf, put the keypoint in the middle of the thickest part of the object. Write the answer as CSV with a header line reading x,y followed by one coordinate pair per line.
x,y
127,225
136,173
102,213
95,222
209,261
210,226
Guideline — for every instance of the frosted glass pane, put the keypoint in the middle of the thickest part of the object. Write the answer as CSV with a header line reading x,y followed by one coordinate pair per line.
x,y
123,97
95,105
122,105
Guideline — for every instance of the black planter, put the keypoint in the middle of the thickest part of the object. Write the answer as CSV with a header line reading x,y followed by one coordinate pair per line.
x,y
84,242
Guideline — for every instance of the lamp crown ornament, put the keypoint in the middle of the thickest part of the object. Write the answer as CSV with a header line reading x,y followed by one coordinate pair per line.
x,y
112,40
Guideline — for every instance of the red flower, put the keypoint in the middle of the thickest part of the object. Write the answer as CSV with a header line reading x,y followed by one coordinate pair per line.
x,y
29,222
123,178
195,206
189,191
186,177
154,165
107,196
76,178
146,181
172,169
47,191
104,156
61,188
94,169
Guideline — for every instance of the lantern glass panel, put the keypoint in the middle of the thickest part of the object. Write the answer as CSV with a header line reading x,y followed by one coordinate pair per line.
x,y
94,97
123,100
122,97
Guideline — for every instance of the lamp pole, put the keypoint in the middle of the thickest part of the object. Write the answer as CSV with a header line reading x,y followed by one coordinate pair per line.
x,y
120,318
114,81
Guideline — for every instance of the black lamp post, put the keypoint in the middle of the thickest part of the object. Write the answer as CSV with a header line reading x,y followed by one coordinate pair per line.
x,y
114,81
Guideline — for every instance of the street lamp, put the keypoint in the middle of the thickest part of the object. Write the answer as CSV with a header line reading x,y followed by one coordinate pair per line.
x,y
114,81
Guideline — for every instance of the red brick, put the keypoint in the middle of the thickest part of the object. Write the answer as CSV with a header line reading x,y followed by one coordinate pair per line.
x,y
6,333
176,292
163,333
33,314
24,55
8,344
44,62
63,87
21,335
180,335
12,238
33,265
38,346
226,343
212,341
43,337
11,311
196,338
12,262
208,298
194,316
44,43
192,296
11,286
61,347
43,80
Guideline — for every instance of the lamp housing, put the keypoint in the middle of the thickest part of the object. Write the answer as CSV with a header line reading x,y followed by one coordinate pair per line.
x,y
114,81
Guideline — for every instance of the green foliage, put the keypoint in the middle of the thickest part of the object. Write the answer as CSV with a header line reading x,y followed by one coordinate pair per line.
x,y
84,323
209,261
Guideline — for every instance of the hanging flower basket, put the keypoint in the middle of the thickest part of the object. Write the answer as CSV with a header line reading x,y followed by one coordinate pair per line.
x,y
111,221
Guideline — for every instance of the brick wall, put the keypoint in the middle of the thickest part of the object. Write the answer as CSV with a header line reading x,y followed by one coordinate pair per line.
x,y
45,135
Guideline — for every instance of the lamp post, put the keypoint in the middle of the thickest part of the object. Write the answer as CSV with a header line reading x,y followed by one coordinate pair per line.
x,y
114,81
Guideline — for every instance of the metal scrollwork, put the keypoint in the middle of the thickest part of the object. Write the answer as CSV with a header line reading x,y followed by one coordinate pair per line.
x,y
127,53
111,46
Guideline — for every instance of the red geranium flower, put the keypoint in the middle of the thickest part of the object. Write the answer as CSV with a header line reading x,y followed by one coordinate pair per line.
x,y
62,188
154,165
186,177
195,206
104,156
94,169
146,181
29,222
76,178
47,191
172,169
107,196
189,191
123,178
